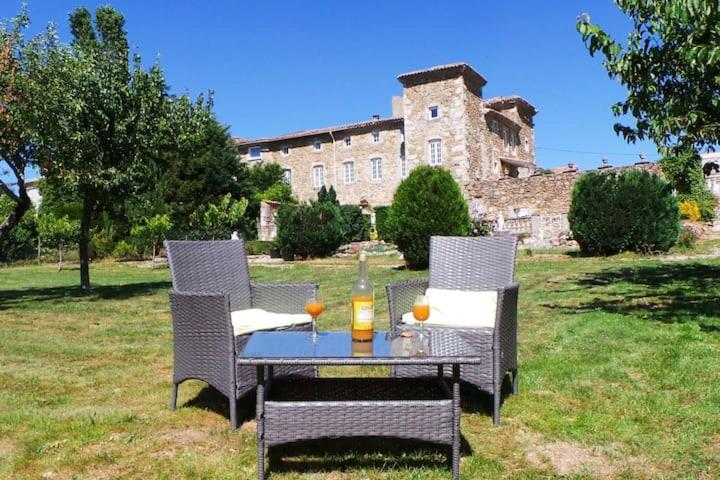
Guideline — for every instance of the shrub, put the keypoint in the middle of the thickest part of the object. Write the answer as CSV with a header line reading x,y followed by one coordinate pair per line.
x,y
482,227
686,239
125,251
381,225
689,210
357,225
427,203
258,247
316,229
277,192
633,210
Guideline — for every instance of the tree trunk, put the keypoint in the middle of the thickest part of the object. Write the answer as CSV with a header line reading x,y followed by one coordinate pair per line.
x,y
22,205
60,263
85,241
39,247
153,256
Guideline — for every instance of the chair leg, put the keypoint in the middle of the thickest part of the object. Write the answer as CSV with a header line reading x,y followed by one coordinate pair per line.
x,y
173,398
233,413
515,382
496,406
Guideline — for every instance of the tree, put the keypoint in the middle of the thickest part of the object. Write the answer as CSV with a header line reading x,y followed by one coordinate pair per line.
x,y
204,167
58,232
670,66
105,119
428,202
152,231
22,63
218,220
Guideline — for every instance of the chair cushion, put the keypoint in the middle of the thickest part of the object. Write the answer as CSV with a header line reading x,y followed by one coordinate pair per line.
x,y
255,319
459,309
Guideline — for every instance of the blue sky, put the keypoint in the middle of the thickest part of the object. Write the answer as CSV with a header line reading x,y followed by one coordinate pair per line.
x,y
277,67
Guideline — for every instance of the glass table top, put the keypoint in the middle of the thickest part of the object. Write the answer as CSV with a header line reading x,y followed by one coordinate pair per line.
x,y
339,348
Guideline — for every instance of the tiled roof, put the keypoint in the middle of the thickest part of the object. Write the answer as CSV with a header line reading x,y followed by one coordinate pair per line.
x,y
501,102
443,71
385,122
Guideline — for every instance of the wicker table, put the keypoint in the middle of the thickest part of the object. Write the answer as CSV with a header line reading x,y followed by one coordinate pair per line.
x,y
304,408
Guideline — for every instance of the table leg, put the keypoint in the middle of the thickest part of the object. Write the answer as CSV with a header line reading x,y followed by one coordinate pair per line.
x,y
456,422
260,420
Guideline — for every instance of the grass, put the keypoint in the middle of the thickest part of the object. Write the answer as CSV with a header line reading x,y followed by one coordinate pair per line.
x,y
619,359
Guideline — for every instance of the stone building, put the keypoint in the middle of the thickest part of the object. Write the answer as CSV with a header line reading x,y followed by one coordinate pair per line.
x,y
441,119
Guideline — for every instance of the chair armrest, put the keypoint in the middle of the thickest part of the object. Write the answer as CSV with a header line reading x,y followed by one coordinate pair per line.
x,y
281,297
505,333
203,338
401,296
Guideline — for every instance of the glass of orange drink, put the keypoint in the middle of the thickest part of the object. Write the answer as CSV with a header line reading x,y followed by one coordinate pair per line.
x,y
314,306
421,312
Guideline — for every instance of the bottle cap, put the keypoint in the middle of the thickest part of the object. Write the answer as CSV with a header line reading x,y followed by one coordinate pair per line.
x,y
363,256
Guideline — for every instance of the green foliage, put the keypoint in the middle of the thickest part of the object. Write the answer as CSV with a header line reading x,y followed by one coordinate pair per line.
x,y
685,174
482,227
381,215
277,192
329,196
316,229
686,240
125,251
204,167
427,203
105,119
357,225
58,232
258,247
670,66
633,210
152,231
220,220
22,99
21,241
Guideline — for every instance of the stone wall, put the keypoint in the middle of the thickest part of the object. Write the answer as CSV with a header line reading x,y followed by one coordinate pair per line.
x,y
536,206
302,157
450,126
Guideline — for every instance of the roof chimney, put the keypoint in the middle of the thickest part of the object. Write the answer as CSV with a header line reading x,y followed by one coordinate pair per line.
x,y
376,117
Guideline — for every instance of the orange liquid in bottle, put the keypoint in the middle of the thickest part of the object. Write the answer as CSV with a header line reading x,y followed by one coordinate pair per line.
x,y
362,318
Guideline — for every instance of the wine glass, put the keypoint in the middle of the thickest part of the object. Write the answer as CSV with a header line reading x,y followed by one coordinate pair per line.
x,y
314,306
421,312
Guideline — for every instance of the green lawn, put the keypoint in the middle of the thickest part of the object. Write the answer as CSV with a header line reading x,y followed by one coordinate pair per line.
x,y
619,362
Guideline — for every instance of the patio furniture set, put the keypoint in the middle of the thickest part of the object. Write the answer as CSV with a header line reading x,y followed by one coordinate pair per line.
x,y
223,337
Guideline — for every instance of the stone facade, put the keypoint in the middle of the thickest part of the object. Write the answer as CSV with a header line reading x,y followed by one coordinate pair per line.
x,y
441,119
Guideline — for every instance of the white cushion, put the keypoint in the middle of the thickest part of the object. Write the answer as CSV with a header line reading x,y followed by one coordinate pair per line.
x,y
254,319
459,309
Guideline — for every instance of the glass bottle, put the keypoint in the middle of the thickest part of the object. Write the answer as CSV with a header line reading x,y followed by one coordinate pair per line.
x,y
363,304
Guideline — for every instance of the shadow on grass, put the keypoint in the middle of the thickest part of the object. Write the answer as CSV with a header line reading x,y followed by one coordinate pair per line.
x,y
321,456
668,293
11,298
344,454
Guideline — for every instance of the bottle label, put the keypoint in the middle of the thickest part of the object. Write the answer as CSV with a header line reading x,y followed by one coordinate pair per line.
x,y
363,314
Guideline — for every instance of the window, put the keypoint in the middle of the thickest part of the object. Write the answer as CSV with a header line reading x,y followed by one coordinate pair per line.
x,y
255,153
318,176
494,126
403,167
435,152
506,139
287,176
317,145
348,141
285,150
433,112
349,172
376,136
376,167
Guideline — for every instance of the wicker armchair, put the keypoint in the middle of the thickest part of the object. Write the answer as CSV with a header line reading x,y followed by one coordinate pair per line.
x,y
466,263
211,280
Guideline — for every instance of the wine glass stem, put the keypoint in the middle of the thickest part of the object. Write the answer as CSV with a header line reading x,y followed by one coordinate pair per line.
x,y
314,328
421,338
